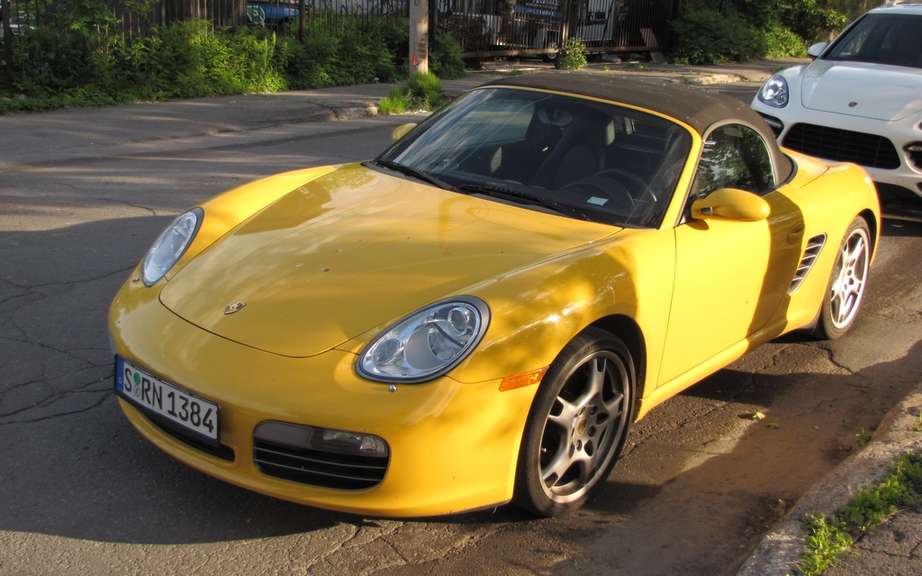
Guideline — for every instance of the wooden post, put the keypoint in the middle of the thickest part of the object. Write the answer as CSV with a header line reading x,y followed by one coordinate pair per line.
x,y
240,13
419,36
302,8
7,6
565,10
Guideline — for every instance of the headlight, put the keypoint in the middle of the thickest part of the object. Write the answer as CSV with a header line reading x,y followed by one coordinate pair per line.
x,y
775,92
427,343
170,245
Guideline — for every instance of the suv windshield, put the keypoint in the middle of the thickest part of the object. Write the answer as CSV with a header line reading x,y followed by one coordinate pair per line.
x,y
566,155
894,39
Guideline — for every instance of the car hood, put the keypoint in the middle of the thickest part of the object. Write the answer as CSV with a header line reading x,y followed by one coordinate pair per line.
x,y
355,249
877,91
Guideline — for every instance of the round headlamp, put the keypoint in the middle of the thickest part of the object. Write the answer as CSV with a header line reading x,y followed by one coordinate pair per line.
x,y
427,343
775,92
170,246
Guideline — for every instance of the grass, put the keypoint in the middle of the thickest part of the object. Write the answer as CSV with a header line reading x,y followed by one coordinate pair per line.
x,y
419,92
829,538
918,425
397,102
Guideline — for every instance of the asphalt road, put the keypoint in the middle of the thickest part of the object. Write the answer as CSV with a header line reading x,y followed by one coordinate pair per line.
x,y
82,493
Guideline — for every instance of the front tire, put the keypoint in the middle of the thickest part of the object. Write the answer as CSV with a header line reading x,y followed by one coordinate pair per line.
x,y
847,284
578,424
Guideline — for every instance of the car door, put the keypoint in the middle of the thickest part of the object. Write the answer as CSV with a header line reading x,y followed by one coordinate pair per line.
x,y
731,276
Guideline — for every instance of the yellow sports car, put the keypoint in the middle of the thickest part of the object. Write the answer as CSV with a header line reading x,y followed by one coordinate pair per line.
x,y
480,314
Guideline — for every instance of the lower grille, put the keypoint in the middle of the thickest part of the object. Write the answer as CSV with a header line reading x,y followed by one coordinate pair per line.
x,y
320,456
843,145
319,468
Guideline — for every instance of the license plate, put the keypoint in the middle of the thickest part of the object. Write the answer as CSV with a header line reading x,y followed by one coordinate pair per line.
x,y
154,395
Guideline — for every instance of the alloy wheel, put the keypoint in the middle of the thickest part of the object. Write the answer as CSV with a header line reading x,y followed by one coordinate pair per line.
x,y
852,271
586,421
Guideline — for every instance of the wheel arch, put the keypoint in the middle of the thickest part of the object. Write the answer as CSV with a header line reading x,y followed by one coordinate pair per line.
x,y
627,329
871,219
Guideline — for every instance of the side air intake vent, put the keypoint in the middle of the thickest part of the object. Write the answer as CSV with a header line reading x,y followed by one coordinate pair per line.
x,y
814,245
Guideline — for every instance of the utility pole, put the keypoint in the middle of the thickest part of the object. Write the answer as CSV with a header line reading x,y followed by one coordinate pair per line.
x,y
7,6
419,36
302,7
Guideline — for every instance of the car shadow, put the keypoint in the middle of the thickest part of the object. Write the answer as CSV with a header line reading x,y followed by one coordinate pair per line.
x,y
706,492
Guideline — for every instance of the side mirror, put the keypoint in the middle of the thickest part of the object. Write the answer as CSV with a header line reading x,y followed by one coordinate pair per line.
x,y
730,204
817,49
401,131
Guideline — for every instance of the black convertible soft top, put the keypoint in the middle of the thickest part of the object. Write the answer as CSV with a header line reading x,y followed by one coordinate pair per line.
x,y
698,108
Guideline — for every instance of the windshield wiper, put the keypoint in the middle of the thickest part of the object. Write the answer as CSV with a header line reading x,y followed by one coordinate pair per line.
x,y
521,197
414,173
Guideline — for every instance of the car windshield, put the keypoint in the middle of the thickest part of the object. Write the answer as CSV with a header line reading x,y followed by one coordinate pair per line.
x,y
894,39
567,155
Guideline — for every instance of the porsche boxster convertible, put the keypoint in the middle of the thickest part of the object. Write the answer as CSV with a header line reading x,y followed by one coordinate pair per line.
x,y
480,314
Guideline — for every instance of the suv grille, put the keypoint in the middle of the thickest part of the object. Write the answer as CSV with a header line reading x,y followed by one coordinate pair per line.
x,y
843,145
319,468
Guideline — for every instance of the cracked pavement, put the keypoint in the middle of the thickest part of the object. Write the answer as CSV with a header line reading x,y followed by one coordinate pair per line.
x,y
82,493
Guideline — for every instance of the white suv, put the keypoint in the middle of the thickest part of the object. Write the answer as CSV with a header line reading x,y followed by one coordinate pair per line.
x,y
860,100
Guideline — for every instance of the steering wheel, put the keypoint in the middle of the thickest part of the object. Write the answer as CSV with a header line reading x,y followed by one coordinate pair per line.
x,y
643,187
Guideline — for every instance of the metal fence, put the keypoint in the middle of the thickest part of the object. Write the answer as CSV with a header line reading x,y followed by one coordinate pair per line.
x,y
522,27
28,14
485,28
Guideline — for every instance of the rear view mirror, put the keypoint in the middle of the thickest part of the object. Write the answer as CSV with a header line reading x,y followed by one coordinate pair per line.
x,y
401,131
730,204
817,49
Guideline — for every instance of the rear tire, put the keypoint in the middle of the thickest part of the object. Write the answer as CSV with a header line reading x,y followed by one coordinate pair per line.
x,y
577,426
847,283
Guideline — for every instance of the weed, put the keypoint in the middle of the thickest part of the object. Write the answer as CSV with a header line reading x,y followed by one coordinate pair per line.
x,y
572,55
829,538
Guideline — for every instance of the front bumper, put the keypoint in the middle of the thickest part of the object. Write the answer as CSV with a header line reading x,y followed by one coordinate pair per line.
x,y
453,446
901,133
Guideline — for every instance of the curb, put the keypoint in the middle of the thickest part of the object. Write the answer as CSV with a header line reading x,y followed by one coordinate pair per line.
x,y
354,112
779,551
716,78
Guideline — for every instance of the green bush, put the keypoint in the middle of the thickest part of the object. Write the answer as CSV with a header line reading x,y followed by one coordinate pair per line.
x,y
352,56
82,65
179,61
740,30
445,57
781,42
706,35
809,20
572,55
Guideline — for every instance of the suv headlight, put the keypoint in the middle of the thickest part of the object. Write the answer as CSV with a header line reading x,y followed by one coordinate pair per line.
x,y
427,343
170,246
775,92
